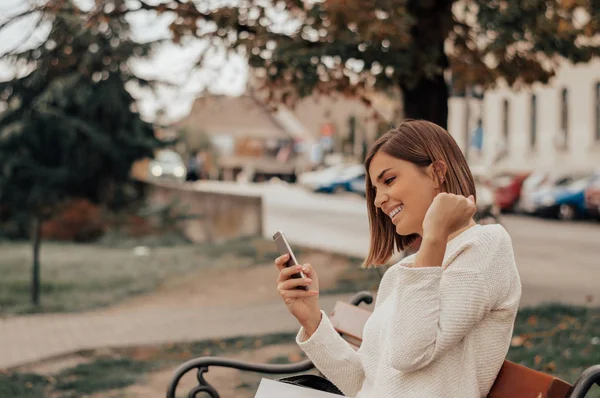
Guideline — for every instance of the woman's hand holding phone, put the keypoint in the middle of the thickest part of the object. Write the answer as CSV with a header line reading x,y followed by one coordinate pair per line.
x,y
302,304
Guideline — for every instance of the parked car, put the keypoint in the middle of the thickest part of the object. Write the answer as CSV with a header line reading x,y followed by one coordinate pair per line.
x,y
507,190
592,196
167,164
565,200
313,180
357,185
536,185
333,179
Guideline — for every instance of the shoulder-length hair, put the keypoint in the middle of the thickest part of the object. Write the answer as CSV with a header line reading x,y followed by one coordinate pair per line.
x,y
421,143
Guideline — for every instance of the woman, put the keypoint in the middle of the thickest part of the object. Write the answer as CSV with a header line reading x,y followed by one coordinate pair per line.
x,y
444,316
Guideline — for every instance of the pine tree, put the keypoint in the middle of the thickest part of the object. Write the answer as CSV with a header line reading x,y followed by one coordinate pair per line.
x,y
70,128
301,47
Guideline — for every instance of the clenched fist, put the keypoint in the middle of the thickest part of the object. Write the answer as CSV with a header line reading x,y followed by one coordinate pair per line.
x,y
447,214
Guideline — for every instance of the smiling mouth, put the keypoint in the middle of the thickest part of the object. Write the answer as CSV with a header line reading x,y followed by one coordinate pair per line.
x,y
396,211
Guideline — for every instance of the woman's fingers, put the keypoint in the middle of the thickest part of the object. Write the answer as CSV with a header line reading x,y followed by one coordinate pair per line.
x,y
296,294
286,273
293,283
308,271
281,261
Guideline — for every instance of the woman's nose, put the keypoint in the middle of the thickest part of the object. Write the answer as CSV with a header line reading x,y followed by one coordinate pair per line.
x,y
380,199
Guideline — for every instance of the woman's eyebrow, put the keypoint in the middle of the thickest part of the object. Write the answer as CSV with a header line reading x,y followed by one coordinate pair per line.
x,y
380,176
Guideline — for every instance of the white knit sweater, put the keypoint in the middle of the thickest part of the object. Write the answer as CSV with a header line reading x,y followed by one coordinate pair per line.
x,y
435,331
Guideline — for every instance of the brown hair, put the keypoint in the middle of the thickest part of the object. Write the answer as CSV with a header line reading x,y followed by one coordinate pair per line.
x,y
421,143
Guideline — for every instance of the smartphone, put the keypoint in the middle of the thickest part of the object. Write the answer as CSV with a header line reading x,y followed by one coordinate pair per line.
x,y
284,248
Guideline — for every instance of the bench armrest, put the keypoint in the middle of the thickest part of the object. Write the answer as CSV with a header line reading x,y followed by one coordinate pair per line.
x,y
585,381
203,363
362,297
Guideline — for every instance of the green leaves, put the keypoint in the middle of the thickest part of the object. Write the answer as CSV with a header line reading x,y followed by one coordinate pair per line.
x,y
300,47
519,39
69,127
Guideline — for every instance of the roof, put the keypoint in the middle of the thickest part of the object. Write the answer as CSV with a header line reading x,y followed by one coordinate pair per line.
x,y
242,116
248,116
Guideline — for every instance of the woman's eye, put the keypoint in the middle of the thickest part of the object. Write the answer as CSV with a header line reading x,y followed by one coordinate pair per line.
x,y
388,181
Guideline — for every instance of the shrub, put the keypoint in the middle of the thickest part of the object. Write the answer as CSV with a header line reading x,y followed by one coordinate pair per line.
x,y
78,221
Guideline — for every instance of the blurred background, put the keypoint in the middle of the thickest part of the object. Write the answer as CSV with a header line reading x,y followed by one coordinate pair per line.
x,y
150,149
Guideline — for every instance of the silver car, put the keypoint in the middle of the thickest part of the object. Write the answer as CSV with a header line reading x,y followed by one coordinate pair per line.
x,y
167,164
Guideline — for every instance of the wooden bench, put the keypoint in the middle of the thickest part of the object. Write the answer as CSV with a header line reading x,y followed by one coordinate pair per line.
x,y
513,381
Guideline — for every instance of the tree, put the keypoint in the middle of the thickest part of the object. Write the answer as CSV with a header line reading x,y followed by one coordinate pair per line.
x,y
69,127
301,47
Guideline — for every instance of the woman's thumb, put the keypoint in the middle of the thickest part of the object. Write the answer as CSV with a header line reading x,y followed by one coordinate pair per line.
x,y
308,271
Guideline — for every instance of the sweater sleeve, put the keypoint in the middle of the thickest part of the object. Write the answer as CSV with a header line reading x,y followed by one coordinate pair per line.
x,y
333,356
434,310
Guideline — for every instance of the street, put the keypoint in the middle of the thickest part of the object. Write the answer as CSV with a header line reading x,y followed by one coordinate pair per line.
x,y
557,261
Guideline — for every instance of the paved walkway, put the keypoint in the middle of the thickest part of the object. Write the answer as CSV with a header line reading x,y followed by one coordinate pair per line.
x,y
27,339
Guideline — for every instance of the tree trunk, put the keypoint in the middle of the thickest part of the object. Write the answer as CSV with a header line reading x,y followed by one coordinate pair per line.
x,y
428,100
35,274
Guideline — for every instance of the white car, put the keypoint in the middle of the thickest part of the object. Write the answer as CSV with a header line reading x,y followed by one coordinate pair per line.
x,y
332,179
167,164
313,180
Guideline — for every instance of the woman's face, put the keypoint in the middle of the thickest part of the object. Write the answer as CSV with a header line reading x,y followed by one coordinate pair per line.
x,y
403,191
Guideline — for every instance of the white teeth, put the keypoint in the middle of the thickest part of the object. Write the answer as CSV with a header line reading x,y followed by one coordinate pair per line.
x,y
396,211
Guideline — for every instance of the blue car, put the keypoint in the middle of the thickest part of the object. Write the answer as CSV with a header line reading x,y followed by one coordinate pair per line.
x,y
357,185
563,201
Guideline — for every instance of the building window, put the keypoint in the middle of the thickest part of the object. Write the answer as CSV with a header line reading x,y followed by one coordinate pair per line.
x,y
505,125
597,111
533,122
564,118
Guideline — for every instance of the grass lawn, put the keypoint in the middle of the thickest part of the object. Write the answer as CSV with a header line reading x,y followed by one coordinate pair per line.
x,y
113,370
79,277
559,340
555,339
355,279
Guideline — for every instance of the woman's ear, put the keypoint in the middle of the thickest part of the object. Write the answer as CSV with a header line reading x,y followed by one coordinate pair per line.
x,y
439,170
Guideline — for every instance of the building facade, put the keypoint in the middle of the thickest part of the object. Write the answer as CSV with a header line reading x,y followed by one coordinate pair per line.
x,y
552,127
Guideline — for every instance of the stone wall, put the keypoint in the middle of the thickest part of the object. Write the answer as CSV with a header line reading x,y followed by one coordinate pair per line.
x,y
216,217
